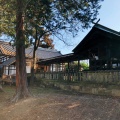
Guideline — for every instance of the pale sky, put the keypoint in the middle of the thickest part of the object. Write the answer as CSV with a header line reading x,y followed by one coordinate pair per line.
x,y
109,15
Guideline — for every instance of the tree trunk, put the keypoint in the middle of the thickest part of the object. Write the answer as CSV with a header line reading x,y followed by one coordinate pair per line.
x,y
32,68
33,60
21,76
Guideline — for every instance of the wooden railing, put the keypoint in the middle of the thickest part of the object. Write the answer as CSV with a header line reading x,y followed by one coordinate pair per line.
x,y
70,76
98,76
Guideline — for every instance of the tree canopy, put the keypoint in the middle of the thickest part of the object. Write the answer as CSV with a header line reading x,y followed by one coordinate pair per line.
x,y
49,16
26,19
7,18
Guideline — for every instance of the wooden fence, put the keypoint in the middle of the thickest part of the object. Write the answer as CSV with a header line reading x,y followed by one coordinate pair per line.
x,y
71,76
98,76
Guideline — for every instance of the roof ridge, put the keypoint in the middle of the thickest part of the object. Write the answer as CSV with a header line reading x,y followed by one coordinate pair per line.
x,y
44,49
106,29
3,42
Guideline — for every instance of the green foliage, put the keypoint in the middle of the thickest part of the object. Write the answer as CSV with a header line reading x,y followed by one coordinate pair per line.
x,y
73,66
68,15
7,17
48,16
84,65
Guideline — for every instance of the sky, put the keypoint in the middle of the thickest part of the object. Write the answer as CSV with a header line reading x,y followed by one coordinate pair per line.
x,y
109,15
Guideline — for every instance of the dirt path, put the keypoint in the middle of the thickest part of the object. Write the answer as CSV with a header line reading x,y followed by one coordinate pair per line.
x,y
50,105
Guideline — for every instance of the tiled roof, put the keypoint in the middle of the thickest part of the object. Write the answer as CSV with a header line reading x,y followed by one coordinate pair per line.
x,y
59,59
8,62
6,49
41,53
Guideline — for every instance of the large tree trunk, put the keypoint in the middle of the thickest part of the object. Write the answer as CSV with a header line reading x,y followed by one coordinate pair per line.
x,y
21,76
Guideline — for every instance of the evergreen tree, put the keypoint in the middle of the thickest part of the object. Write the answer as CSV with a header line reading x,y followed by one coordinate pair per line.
x,y
21,18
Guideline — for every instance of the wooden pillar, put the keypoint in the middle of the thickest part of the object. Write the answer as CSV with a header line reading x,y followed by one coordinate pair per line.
x,y
49,67
52,71
68,72
57,67
117,63
52,67
8,69
62,67
90,64
59,76
46,69
68,65
49,71
109,64
78,70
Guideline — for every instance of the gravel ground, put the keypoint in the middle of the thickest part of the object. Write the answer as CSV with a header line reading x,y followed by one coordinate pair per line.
x,y
61,106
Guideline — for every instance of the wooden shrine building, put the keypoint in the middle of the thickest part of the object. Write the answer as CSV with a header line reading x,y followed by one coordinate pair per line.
x,y
8,61
101,46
